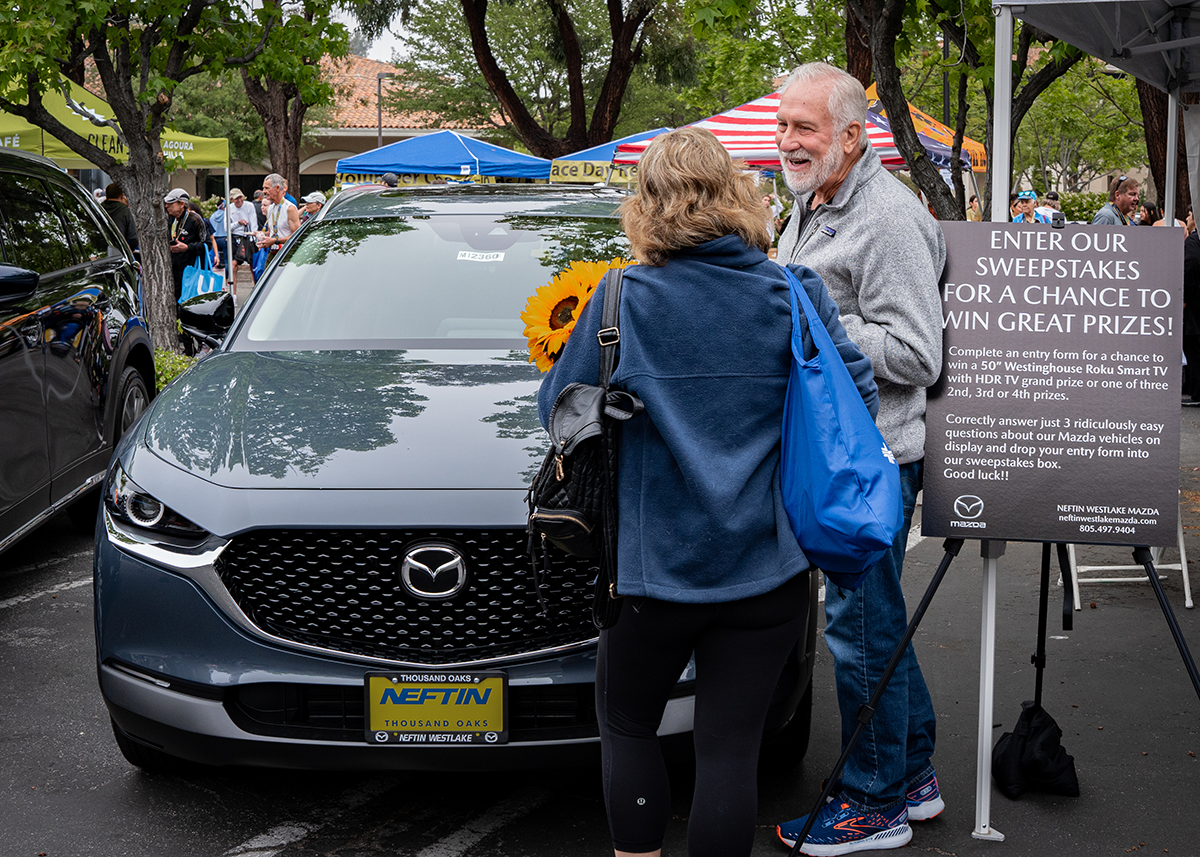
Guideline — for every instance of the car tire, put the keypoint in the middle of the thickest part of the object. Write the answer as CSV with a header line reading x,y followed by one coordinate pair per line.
x,y
787,747
149,759
133,397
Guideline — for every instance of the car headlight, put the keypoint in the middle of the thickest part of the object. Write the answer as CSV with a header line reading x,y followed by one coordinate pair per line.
x,y
130,504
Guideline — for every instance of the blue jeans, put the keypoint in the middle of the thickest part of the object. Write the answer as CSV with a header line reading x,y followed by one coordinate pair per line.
x,y
862,630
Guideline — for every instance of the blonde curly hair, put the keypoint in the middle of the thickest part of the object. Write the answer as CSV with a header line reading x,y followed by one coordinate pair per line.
x,y
690,192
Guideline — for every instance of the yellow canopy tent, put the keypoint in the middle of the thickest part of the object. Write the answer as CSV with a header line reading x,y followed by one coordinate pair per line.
x,y
16,133
926,124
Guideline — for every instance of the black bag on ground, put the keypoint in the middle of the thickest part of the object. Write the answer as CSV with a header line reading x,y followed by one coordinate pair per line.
x,y
1032,758
571,501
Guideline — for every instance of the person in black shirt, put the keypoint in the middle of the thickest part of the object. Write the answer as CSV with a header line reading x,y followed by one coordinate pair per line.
x,y
118,209
186,232
1191,314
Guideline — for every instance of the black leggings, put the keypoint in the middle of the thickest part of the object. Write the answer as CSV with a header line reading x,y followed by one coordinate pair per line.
x,y
740,649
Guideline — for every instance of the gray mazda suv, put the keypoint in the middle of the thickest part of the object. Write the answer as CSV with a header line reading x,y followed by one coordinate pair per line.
x,y
313,552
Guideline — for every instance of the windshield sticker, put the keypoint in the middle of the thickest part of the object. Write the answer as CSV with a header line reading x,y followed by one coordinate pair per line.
x,y
471,256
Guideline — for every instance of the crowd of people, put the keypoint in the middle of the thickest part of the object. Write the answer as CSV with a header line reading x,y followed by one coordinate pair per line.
x,y
238,231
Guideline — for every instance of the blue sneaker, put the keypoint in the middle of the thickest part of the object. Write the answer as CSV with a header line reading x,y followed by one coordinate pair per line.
x,y
925,800
839,829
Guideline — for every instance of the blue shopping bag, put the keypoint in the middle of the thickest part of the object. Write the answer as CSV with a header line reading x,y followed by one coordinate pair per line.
x,y
840,481
259,263
200,279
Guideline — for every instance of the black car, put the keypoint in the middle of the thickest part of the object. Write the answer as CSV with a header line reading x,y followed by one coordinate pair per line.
x,y
76,363
313,550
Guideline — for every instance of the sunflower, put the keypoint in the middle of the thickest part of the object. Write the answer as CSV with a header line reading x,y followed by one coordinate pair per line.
x,y
550,314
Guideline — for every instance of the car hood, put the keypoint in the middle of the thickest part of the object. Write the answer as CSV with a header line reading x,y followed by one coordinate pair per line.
x,y
353,420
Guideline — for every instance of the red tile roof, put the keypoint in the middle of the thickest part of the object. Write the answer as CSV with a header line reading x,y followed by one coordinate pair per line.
x,y
356,80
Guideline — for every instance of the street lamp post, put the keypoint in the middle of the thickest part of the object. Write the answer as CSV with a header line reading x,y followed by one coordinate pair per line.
x,y
379,103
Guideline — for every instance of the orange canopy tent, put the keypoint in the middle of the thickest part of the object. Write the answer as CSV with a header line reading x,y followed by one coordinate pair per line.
x,y
926,124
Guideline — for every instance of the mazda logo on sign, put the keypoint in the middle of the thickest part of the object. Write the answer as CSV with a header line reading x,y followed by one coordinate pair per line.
x,y
433,571
968,506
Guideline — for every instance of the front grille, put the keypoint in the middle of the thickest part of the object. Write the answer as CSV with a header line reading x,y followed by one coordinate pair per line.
x,y
545,712
341,590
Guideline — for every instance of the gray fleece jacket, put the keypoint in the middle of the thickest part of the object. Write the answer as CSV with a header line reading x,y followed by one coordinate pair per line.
x,y
881,256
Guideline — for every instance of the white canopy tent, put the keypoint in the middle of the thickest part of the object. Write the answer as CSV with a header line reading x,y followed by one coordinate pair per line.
x,y
1157,41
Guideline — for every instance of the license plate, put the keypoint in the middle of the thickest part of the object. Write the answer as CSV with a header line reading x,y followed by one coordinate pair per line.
x,y
437,708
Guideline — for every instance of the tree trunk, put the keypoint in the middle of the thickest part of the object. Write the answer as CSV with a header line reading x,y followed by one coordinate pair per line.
x,y
624,27
282,112
885,19
146,186
1155,105
858,48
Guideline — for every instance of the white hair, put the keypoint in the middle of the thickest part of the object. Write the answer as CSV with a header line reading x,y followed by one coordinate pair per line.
x,y
275,180
847,98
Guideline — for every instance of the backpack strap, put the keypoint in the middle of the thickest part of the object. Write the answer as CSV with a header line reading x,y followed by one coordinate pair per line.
x,y
609,333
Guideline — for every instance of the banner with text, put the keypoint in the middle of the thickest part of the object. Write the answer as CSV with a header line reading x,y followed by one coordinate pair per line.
x,y
1057,414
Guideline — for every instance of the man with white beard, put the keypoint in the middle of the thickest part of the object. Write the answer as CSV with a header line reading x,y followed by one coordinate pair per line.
x,y
881,256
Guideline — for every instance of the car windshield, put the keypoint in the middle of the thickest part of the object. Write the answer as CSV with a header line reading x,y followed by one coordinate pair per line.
x,y
428,281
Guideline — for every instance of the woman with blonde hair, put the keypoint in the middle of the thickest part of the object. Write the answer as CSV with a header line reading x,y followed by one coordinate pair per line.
x,y
707,562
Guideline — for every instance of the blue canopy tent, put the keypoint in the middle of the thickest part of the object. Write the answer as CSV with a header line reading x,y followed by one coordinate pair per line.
x,y
595,165
446,153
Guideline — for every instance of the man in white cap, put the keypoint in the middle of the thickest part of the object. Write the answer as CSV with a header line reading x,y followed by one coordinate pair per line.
x,y
187,234
312,204
243,223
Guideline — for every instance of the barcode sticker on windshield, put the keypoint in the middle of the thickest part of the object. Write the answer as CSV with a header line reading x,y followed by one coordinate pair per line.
x,y
471,256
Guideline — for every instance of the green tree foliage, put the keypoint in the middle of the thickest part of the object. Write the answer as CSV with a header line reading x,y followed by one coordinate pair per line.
x,y
441,72
215,105
1086,124
283,84
141,50
1081,206
743,47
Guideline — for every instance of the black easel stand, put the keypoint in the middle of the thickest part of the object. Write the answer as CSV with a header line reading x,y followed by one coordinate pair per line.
x,y
951,547
1141,555
1064,566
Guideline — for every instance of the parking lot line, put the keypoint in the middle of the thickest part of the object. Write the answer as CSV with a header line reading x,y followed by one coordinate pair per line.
x,y
45,563
273,841
34,596
461,840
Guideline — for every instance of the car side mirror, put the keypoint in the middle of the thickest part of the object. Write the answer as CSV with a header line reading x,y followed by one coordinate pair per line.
x,y
209,314
16,284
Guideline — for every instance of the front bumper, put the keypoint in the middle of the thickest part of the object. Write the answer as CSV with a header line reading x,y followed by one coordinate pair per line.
x,y
172,665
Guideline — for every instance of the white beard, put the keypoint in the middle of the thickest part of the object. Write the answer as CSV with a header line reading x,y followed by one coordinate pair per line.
x,y
819,171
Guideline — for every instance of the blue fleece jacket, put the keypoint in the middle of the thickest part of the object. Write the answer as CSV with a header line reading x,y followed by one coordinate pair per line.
x,y
705,344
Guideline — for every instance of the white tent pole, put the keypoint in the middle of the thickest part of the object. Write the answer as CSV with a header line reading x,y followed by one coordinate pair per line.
x,y
1002,115
229,284
1172,157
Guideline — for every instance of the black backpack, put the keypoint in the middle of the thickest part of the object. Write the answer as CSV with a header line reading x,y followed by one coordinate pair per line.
x,y
572,503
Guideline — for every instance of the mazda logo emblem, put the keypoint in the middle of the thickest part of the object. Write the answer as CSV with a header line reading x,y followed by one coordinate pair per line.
x,y
968,506
433,571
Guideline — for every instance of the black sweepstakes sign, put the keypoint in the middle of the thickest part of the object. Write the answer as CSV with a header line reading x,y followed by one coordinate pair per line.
x,y
1057,414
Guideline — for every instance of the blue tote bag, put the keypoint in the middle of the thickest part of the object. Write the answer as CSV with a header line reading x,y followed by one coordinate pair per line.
x,y
200,279
840,481
258,264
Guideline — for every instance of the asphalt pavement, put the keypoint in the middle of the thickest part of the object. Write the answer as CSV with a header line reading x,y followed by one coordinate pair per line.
x,y
1115,684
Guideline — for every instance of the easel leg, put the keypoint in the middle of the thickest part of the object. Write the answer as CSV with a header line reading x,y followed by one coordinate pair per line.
x,y
991,551
1142,556
867,710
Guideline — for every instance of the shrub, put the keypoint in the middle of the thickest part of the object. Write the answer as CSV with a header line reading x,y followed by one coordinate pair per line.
x,y
168,365
1082,206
